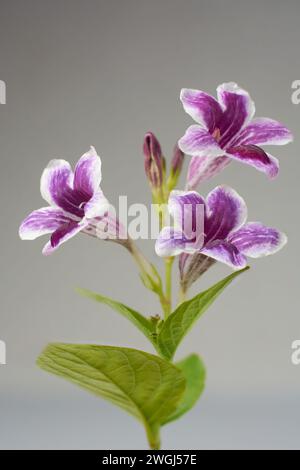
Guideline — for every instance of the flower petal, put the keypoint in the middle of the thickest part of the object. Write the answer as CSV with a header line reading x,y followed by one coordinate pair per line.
x,y
203,108
62,234
170,242
182,206
226,211
87,175
203,168
198,141
227,253
256,157
255,240
42,221
238,110
264,131
96,206
188,209
56,177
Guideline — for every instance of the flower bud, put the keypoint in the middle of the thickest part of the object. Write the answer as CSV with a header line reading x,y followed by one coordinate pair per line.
x,y
177,160
176,167
154,161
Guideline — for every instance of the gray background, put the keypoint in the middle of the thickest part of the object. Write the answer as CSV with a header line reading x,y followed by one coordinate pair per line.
x,y
104,73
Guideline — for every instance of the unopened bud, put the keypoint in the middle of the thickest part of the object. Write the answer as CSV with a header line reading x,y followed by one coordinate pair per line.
x,y
176,167
154,161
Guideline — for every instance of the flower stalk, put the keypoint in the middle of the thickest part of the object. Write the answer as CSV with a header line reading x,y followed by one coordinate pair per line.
x,y
168,277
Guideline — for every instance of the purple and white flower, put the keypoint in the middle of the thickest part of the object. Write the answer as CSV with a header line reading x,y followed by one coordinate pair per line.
x,y
226,131
75,201
227,237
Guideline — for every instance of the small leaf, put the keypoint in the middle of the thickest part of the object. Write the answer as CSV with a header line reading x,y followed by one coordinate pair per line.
x,y
144,385
194,372
142,323
182,319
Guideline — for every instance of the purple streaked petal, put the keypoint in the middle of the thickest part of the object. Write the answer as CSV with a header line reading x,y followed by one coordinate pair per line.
x,y
72,201
256,157
62,234
226,211
225,252
255,240
188,209
203,108
203,168
264,131
170,242
197,141
96,206
56,177
87,175
238,110
42,221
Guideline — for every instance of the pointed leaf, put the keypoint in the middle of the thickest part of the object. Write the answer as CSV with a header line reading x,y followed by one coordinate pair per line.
x,y
182,319
141,322
194,372
144,385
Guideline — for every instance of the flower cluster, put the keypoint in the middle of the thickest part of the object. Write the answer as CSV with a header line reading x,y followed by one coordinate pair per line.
x,y
225,131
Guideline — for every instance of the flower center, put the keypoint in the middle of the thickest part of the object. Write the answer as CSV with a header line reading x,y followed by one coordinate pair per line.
x,y
216,134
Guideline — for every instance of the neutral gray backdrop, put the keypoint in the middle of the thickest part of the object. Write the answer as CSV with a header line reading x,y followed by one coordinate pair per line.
x,y
104,73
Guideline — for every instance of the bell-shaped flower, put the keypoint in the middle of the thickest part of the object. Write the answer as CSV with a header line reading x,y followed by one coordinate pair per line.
x,y
75,201
222,235
226,131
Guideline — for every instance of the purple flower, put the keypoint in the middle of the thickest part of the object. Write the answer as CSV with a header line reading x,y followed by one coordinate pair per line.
x,y
226,131
75,199
227,237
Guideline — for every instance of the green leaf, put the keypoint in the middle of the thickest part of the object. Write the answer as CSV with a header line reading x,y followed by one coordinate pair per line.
x,y
141,322
182,319
144,385
194,372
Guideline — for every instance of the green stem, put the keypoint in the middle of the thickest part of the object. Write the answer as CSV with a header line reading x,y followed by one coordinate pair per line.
x,y
168,294
164,305
149,275
153,436
182,295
